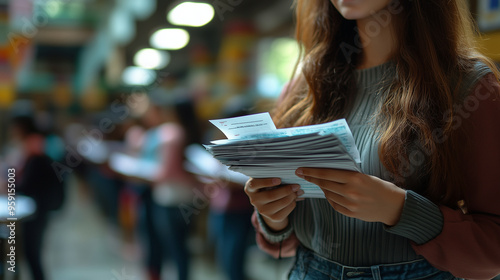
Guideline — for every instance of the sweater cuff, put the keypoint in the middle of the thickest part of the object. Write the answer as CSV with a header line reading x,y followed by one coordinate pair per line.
x,y
273,236
421,220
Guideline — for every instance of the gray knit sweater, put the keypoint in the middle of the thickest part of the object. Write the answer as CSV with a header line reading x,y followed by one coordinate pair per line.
x,y
353,242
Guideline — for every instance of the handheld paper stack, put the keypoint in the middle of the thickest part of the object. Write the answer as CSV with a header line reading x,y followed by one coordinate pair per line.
x,y
259,150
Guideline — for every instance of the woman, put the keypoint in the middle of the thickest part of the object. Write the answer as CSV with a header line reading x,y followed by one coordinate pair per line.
x,y
424,109
165,188
173,186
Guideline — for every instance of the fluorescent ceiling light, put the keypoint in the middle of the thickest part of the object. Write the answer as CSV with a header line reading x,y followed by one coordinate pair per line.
x,y
169,39
191,14
137,76
151,58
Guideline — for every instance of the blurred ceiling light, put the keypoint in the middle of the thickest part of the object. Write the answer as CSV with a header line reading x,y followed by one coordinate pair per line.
x,y
141,9
137,76
151,59
121,26
191,14
169,39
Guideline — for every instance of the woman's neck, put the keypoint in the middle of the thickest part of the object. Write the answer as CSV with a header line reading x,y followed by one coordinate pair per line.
x,y
377,40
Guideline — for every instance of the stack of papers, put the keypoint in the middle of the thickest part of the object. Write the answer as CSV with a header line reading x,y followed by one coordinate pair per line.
x,y
257,149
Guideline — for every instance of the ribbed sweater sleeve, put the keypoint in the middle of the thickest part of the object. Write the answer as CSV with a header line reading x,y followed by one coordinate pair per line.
x,y
277,244
421,220
273,236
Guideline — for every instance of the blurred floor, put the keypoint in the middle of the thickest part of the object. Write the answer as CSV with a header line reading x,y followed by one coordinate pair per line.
x,y
81,245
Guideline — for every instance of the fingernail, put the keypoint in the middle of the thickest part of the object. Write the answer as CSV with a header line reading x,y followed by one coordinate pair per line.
x,y
276,181
300,192
299,172
295,188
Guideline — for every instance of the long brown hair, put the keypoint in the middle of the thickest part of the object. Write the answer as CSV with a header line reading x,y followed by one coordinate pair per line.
x,y
435,44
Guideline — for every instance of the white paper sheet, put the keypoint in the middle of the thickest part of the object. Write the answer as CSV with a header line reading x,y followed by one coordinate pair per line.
x,y
235,128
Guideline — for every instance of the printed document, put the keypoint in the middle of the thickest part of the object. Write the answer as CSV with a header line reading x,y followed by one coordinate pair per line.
x,y
257,149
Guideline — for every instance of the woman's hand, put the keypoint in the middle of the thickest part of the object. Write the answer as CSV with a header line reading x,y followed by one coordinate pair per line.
x,y
358,195
272,201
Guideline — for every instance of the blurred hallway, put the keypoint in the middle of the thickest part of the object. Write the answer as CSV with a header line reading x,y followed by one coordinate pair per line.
x,y
80,245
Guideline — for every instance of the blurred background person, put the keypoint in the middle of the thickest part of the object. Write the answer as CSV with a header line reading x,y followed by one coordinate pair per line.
x,y
173,187
38,180
170,124
230,211
230,228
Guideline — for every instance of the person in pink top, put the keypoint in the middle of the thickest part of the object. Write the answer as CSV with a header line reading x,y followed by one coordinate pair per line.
x,y
171,125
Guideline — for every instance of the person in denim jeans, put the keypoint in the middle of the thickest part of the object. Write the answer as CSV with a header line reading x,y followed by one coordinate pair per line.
x,y
424,110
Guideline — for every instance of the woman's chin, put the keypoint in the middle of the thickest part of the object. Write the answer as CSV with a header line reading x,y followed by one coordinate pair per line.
x,y
355,15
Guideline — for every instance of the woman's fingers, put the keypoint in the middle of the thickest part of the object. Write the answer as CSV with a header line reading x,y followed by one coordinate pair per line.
x,y
358,195
272,200
264,197
341,209
336,175
340,200
331,186
255,185
283,213
279,209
